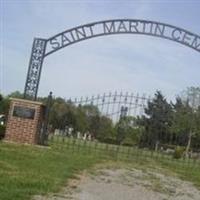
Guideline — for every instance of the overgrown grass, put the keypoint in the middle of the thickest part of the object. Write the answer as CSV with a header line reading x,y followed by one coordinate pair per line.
x,y
29,170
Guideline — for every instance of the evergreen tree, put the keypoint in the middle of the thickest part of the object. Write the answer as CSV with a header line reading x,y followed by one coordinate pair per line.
x,y
157,121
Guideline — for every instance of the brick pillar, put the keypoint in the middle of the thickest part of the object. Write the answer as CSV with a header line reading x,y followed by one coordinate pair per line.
x,y
24,121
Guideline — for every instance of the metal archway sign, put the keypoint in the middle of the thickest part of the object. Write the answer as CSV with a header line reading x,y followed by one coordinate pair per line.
x,y
44,47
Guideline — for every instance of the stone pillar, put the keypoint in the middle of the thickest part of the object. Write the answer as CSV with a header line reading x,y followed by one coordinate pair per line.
x,y
24,121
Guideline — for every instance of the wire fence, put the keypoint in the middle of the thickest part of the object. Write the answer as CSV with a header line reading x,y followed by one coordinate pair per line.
x,y
143,139
124,153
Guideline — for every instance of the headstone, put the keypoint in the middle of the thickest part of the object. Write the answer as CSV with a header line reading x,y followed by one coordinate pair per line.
x,y
56,132
78,135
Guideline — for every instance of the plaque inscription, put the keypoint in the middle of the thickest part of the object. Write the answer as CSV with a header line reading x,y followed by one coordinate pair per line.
x,y
24,112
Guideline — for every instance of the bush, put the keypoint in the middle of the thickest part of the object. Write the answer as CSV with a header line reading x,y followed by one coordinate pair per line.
x,y
108,140
178,153
2,131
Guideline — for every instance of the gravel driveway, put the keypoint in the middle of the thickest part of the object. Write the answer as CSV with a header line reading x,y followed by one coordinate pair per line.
x,y
126,184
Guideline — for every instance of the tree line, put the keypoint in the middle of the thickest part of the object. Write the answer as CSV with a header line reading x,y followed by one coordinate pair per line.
x,y
163,123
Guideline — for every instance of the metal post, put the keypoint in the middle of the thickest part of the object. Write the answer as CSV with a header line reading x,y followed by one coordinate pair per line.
x,y
34,70
44,135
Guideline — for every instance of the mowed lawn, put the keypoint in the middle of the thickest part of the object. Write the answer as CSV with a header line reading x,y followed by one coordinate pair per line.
x,y
29,170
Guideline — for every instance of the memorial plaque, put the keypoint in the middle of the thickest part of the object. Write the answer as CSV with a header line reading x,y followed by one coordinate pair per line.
x,y
24,112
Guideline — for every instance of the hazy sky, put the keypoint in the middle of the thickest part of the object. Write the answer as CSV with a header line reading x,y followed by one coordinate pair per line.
x,y
132,63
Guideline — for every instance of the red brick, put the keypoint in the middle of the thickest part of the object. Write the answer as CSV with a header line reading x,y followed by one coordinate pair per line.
x,y
24,130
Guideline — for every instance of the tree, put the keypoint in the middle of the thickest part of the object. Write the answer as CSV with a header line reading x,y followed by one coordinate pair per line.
x,y
62,114
127,131
93,118
5,102
195,140
81,120
181,121
4,105
157,121
105,131
191,96
16,94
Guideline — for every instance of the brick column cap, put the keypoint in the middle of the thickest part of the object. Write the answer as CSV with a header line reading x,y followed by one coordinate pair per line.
x,y
27,101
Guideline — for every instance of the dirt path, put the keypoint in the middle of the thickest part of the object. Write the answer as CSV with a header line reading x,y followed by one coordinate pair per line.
x,y
126,184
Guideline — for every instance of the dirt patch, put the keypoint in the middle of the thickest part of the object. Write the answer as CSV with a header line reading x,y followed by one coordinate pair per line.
x,y
126,184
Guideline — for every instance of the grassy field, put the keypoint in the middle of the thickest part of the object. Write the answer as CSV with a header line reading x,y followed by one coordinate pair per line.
x,y
29,170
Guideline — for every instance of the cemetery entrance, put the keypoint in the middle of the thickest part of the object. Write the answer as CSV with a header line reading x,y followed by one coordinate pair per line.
x,y
120,110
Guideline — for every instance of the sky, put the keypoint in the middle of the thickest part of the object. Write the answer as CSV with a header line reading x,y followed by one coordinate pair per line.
x,y
129,63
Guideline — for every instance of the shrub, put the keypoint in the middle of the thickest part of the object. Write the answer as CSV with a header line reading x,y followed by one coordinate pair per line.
x,y
178,153
108,140
2,131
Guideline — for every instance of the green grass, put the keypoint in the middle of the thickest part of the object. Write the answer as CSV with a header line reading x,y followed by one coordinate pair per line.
x,y
186,169
29,170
